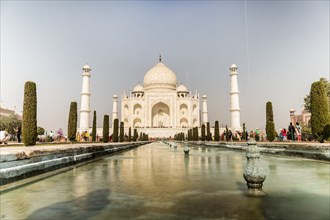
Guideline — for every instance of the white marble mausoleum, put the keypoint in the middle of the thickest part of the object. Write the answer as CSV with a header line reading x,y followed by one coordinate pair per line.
x,y
160,102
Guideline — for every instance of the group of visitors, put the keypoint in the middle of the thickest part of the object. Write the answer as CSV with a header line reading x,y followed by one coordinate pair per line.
x,y
293,133
5,136
85,136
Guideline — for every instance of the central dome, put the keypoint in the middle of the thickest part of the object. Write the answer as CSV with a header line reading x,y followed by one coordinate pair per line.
x,y
160,77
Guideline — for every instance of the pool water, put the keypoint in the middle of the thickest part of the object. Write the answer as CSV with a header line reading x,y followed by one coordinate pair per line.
x,y
155,181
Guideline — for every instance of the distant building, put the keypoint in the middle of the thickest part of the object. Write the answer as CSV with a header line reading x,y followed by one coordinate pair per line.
x,y
302,118
6,112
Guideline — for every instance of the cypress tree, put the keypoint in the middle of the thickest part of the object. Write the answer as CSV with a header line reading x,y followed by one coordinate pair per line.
x,y
94,127
135,136
216,131
106,129
129,134
140,137
29,125
72,121
203,133
270,126
208,132
319,110
197,136
227,133
244,132
115,130
121,132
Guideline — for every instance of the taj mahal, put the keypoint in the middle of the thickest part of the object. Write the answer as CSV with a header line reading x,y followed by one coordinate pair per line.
x,y
159,107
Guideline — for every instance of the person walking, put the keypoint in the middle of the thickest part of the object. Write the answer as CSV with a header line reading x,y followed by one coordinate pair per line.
x,y
298,131
284,133
292,131
51,136
18,133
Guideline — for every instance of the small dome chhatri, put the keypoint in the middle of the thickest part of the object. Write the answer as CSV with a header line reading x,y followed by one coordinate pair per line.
x,y
160,76
181,88
138,88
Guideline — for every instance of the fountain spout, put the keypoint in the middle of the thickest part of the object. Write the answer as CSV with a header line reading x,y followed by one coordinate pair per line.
x,y
253,173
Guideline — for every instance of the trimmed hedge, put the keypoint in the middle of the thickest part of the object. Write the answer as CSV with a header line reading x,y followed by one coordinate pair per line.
x,y
72,121
29,125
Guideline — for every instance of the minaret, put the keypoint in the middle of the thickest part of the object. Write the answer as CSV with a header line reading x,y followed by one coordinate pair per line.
x,y
85,100
114,108
235,118
204,110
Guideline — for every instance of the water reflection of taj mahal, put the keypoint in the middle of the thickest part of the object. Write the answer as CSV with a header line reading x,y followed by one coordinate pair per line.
x,y
158,107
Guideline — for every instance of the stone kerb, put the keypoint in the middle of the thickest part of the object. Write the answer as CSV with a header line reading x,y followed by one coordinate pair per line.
x,y
20,163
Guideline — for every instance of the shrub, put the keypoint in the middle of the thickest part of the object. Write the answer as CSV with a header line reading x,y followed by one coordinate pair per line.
x,y
106,129
29,126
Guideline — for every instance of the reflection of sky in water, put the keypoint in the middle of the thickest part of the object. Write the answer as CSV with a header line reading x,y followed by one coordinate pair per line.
x,y
159,182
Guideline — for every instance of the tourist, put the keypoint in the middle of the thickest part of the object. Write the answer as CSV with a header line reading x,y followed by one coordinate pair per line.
x,y
257,132
284,134
230,134
291,131
59,134
51,136
86,136
18,133
4,136
78,137
298,131
82,136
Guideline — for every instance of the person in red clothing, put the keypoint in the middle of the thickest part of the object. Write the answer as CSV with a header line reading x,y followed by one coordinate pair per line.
x,y
284,134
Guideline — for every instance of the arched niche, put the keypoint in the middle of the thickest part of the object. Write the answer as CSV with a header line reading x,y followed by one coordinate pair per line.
x,y
183,109
195,110
195,122
160,115
126,110
183,123
137,109
137,123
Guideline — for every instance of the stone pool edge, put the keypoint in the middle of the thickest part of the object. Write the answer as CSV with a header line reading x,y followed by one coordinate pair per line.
x,y
313,151
23,162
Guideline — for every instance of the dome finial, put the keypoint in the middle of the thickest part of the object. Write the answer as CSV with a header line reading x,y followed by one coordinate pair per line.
x,y
160,58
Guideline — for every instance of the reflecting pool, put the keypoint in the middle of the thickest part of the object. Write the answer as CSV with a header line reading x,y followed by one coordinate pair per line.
x,y
158,182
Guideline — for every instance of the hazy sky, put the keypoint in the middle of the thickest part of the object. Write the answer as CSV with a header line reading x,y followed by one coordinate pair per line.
x,y
280,48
